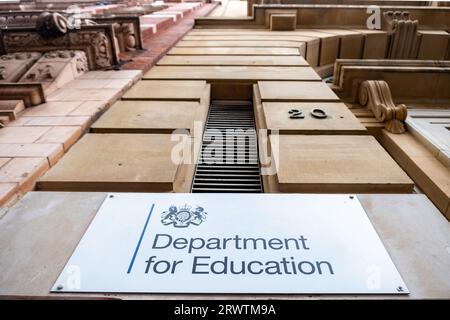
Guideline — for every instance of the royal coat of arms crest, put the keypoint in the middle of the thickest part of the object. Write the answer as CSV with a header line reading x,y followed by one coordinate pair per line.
x,y
183,216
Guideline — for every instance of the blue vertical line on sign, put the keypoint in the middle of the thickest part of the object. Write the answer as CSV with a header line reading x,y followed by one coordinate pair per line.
x,y
140,239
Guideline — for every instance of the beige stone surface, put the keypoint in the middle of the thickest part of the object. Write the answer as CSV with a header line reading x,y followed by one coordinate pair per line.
x,y
167,90
58,121
150,117
295,91
283,22
3,161
433,44
119,74
422,166
351,43
73,94
249,36
51,109
329,45
65,135
21,134
375,43
11,108
213,73
337,164
55,222
23,171
269,51
234,60
340,119
230,8
51,151
239,43
128,162
7,190
90,108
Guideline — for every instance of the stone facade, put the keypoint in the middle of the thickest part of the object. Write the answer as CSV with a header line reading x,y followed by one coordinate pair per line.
x,y
336,108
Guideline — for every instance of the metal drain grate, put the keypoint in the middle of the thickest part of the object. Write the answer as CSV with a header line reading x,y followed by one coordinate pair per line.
x,y
228,160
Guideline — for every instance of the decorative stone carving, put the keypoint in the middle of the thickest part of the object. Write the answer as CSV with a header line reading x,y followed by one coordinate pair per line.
x,y
404,43
376,95
100,44
127,30
14,65
79,57
51,25
125,36
41,74
97,41
56,68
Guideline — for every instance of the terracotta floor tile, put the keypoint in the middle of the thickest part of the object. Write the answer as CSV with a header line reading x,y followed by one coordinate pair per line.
x,y
21,134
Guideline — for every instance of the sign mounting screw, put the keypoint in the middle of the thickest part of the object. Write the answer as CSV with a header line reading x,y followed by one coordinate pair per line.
x,y
59,287
400,289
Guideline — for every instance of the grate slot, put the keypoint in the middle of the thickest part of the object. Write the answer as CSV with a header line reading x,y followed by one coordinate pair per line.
x,y
232,124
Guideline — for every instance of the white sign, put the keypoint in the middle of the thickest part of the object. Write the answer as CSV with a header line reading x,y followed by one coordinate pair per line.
x,y
231,243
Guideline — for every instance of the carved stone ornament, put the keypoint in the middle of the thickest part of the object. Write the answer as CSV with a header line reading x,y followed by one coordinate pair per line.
x,y
51,25
100,43
376,95
404,42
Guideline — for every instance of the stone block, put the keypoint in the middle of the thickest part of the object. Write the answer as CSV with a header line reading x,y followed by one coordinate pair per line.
x,y
283,22
65,135
337,164
433,44
21,134
219,73
51,151
339,120
11,108
295,91
375,43
128,162
167,90
24,172
52,109
233,61
250,51
151,117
